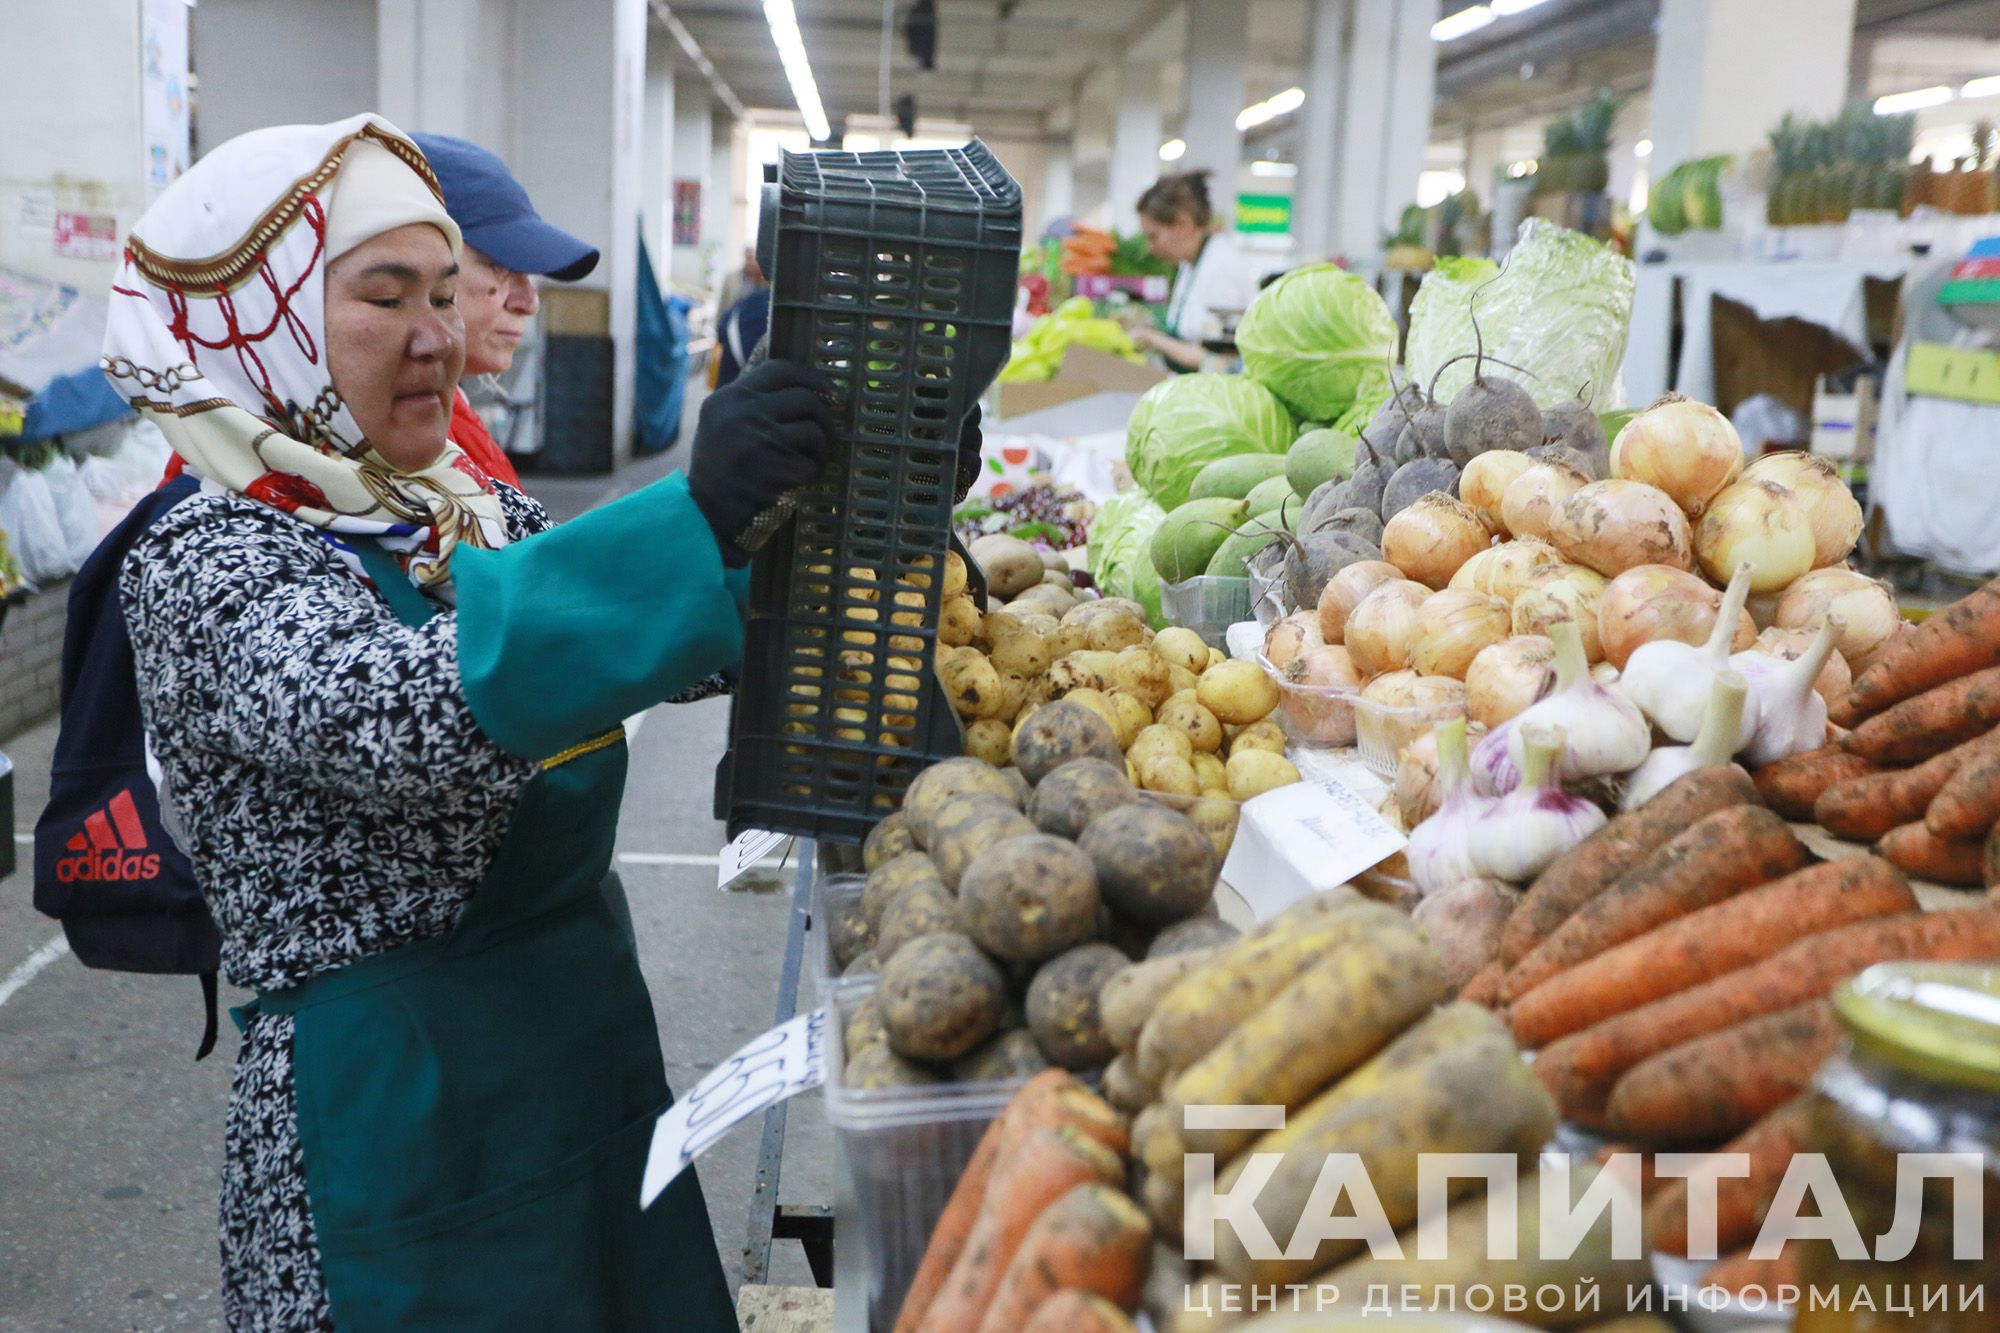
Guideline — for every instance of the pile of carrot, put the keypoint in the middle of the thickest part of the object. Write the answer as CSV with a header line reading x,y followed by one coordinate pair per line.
x,y
1919,773
1039,1233
1087,250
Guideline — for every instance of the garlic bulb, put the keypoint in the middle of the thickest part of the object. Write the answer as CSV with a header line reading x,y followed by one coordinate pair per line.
x,y
1517,836
1437,849
1671,681
1721,725
1606,733
1791,718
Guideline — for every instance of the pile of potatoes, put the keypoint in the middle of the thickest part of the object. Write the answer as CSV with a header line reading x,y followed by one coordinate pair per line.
x,y
1188,721
1000,902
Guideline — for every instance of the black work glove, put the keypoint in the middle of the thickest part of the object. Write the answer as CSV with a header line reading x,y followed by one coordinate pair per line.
x,y
970,442
762,435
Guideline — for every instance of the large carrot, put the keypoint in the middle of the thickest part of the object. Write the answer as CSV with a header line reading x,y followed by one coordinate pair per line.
x,y
1968,805
1924,855
1707,943
1035,1106
1040,1169
1092,1239
1484,987
1866,808
1957,641
1079,1312
1790,786
1721,1084
1740,1201
1931,723
1721,855
1596,863
1739,1273
1580,1070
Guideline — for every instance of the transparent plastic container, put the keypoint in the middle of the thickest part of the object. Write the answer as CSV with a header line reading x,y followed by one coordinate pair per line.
x,y
1208,606
1382,730
832,895
1318,717
905,1149
1267,585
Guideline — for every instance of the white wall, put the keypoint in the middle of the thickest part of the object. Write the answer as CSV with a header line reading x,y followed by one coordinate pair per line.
x,y
252,58
1724,71
656,146
693,159
69,130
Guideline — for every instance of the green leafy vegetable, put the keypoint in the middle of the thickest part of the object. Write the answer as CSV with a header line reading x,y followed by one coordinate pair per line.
x,y
1119,550
1321,339
1185,423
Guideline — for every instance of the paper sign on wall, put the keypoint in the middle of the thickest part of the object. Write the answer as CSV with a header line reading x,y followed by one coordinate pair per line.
x,y
1305,838
784,1061
745,850
86,235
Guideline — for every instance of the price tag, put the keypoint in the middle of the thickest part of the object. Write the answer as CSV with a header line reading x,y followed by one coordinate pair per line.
x,y
1305,838
745,850
784,1061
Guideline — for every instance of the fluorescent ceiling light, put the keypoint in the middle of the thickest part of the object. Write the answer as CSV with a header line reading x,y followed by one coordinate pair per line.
x,y
1986,87
1454,26
784,21
1643,148
1172,149
1504,7
1273,106
1267,168
1936,95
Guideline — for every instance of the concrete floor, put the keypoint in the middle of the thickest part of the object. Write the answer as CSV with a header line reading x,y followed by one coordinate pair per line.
x,y
113,1135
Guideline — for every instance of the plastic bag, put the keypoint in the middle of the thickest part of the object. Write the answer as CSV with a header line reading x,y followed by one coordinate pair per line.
x,y
1559,310
34,530
75,509
1763,419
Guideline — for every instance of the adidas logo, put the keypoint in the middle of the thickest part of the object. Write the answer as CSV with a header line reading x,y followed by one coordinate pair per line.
x,y
111,847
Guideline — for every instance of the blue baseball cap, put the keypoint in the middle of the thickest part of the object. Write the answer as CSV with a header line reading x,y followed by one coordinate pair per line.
x,y
493,212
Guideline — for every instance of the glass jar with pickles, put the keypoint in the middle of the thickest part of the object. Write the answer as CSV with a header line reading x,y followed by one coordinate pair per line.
x,y
1920,1073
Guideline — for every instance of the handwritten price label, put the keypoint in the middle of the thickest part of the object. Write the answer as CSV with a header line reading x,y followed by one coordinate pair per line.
x,y
744,851
782,1063
1305,838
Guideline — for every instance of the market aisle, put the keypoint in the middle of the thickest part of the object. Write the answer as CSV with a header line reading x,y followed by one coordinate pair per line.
x,y
114,1134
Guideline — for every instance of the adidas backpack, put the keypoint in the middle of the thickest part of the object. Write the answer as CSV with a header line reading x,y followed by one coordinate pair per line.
x,y
104,864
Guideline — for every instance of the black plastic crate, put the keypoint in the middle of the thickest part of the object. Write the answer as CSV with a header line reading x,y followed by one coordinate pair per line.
x,y
894,273
576,406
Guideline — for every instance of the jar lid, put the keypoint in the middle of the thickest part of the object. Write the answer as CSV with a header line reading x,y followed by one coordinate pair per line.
x,y
1937,1020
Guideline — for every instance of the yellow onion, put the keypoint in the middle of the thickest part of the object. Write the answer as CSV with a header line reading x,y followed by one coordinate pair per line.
x,y
1834,512
1485,481
1758,523
1291,636
1833,680
1344,591
1763,608
1392,689
1613,526
1431,538
1686,449
1452,626
1530,501
1865,608
1501,571
1508,676
1382,632
1562,592
1655,602
1417,792
1325,710
1437,691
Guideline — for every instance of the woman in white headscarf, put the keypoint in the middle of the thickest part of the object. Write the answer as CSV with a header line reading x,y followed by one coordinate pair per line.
x,y
385,691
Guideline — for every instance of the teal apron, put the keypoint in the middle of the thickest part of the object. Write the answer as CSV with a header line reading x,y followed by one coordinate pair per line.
x,y
474,1110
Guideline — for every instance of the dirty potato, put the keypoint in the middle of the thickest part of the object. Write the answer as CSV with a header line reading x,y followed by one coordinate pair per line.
x,y
941,997
1152,863
891,837
1011,1055
1030,898
892,879
1059,732
1062,1005
925,910
1077,792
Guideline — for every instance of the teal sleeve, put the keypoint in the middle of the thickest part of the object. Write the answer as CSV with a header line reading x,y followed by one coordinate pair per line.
x,y
563,634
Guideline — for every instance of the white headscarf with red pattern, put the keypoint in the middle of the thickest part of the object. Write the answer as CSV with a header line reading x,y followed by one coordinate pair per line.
x,y
218,334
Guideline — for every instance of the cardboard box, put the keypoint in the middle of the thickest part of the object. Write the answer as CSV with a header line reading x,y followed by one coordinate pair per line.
x,y
1084,371
1843,428
1968,374
576,310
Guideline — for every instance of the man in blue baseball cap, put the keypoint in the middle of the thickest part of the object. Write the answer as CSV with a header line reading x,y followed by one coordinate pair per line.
x,y
507,246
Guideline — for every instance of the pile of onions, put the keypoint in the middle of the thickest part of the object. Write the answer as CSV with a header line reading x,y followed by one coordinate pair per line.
x,y
1452,627
1655,602
1530,501
1833,680
1507,677
1485,481
1432,537
1831,508
1761,524
1562,592
1408,689
1344,591
1686,449
1502,571
1328,717
1382,632
1291,636
1865,608
1613,526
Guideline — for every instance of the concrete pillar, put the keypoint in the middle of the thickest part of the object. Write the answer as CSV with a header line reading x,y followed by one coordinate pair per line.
x,y
1412,88
1090,152
1136,136
722,256
1724,72
1215,92
1058,185
238,43
1364,126
693,159
1315,186
656,151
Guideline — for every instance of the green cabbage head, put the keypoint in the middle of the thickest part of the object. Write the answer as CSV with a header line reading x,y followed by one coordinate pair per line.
x,y
1118,551
1185,423
1321,339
